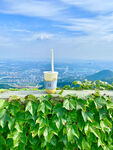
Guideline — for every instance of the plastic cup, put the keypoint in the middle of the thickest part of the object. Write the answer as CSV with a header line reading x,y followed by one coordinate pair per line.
x,y
50,81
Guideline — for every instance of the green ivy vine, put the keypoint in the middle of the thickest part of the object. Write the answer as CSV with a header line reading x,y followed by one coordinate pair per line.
x,y
69,123
89,85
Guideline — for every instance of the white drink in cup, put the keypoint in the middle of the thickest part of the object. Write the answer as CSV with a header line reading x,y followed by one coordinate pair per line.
x,y
50,80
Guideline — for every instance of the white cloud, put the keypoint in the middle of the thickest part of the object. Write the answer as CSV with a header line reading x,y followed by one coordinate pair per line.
x,y
21,30
96,42
38,36
92,5
100,27
36,8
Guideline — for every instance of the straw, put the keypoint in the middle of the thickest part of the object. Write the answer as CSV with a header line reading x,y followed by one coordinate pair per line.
x,y
52,61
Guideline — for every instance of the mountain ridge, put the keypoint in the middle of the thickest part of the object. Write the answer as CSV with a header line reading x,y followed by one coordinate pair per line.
x,y
101,75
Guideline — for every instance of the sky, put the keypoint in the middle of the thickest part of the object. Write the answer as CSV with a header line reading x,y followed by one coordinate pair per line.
x,y
75,29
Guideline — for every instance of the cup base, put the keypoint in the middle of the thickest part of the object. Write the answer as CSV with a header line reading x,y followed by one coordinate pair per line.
x,y
49,91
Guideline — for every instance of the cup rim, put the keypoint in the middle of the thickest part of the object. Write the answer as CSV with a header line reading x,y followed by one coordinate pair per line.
x,y
50,72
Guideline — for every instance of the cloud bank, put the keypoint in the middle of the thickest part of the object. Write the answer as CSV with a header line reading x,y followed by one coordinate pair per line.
x,y
82,29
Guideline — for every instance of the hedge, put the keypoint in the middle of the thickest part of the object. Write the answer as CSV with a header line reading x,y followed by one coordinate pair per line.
x,y
88,85
69,123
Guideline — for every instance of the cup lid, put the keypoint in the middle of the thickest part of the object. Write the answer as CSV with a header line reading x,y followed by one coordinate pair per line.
x,y
50,72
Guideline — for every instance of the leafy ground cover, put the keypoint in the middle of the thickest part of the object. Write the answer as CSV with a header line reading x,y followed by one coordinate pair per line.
x,y
70,123
87,85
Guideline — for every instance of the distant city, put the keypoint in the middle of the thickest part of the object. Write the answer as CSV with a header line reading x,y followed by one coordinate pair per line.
x,y
29,74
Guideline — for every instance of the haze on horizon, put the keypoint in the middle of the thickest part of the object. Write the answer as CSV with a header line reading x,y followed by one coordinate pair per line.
x,y
75,29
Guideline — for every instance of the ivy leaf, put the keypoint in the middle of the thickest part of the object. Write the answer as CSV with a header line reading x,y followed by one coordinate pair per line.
x,y
46,133
41,107
2,140
71,132
3,103
72,104
16,136
60,93
59,110
102,125
41,131
28,116
48,105
84,116
24,138
99,102
16,139
66,104
72,116
85,144
102,113
100,142
31,97
53,128
11,123
80,122
75,130
3,117
95,131
29,107
59,123
87,116
18,127
81,104
79,142
106,125
86,128
109,105
54,141
45,106
63,121
35,131
97,93
69,104
13,108
33,141
43,144
65,140
41,121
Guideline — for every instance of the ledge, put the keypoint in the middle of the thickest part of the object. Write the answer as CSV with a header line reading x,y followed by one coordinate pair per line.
x,y
80,93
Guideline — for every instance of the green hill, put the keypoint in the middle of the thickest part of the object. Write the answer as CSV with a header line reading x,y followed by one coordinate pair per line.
x,y
104,75
5,86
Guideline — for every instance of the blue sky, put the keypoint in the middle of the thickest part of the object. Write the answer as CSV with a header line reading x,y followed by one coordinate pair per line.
x,y
75,29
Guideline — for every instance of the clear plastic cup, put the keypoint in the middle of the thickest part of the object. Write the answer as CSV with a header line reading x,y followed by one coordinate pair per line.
x,y
50,81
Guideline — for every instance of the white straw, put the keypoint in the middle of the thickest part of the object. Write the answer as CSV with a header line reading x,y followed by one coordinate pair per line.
x,y
52,61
